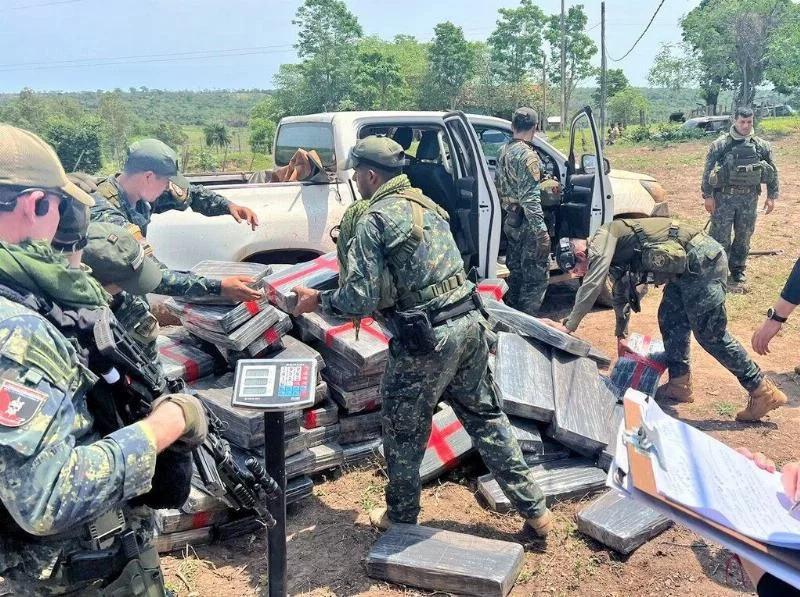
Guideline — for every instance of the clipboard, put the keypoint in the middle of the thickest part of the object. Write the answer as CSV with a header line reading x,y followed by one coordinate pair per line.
x,y
643,481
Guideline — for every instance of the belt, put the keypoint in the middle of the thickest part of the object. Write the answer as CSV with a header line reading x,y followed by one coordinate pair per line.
x,y
466,305
739,190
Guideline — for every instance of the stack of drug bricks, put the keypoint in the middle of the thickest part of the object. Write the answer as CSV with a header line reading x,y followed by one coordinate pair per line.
x,y
213,336
565,415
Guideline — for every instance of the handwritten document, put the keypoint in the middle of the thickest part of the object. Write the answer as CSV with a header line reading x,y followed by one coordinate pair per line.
x,y
714,480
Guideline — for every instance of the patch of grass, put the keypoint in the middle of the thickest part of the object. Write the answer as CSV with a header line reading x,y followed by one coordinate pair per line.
x,y
725,409
779,126
370,497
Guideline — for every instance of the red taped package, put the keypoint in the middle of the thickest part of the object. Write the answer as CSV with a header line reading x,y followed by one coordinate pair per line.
x,y
321,273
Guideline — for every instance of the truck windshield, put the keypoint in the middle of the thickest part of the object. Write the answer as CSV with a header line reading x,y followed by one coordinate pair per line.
x,y
304,135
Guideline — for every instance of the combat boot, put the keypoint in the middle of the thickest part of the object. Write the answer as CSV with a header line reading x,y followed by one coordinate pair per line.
x,y
541,525
679,389
764,398
379,518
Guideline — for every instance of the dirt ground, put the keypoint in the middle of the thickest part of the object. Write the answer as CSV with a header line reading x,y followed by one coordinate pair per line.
x,y
330,535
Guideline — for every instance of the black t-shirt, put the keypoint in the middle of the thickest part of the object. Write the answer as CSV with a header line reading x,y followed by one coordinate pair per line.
x,y
791,291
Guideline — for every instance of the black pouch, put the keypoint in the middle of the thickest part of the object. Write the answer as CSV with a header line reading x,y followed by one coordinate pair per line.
x,y
514,216
414,331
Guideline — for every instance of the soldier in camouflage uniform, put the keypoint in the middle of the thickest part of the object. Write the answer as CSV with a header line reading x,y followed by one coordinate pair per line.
x,y
63,488
151,183
439,343
693,301
517,179
737,164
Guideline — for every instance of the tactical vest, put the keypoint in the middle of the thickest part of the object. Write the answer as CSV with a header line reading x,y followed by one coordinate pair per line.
x,y
508,201
665,259
138,219
405,250
743,164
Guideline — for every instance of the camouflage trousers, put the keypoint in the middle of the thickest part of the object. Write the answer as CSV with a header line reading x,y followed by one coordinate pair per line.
x,y
695,304
411,388
528,262
737,214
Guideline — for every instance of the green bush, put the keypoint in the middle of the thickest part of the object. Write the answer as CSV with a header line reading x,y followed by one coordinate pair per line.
x,y
640,134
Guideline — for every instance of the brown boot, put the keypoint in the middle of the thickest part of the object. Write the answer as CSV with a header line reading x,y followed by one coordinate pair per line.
x,y
379,518
541,525
764,398
679,389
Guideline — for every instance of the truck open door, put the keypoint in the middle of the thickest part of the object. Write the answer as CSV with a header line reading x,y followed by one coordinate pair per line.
x,y
478,205
588,200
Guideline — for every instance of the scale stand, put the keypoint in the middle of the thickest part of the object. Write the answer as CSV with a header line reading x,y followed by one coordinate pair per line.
x,y
275,386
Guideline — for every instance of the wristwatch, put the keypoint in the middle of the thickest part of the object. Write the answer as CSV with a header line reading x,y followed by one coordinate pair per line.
x,y
775,317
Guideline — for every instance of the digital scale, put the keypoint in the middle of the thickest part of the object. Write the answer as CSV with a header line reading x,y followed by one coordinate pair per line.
x,y
275,386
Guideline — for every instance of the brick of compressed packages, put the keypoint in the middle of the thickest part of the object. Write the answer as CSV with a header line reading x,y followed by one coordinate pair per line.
x,y
272,339
448,443
355,454
360,428
326,456
527,434
320,273
167,542
365,399
326,413
320,435
608,453
641,365
240,338
524,377
222,319
179,359
550,451
559,480
217,270
583,404
621,523
492,288
444,561
339,334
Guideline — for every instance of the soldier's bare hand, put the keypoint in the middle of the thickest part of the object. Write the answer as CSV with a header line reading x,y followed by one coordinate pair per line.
x,y
241,213
769,205
758,458
790,476
238,288
307,300
556,325
762,336
711,205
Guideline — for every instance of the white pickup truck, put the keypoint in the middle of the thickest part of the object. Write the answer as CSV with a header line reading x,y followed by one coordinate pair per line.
x,y
452,157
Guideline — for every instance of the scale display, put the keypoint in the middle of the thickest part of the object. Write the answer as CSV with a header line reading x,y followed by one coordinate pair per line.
x,y
275,384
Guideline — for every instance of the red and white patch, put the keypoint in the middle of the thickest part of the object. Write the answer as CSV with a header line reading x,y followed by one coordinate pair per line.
x,y
18,403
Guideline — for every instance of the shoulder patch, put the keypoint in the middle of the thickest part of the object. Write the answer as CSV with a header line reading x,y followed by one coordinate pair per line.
x,y
18,403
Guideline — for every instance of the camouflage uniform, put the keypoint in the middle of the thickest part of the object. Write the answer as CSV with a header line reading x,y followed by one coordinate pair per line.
x,y
457,369
114,206
736,206
56,473
693,302
527,245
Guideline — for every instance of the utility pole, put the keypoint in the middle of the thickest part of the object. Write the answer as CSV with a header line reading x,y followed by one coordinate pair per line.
x,y
563,69
544,92
603,83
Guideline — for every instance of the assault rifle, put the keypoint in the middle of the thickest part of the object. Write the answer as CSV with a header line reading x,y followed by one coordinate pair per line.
x,y
250,489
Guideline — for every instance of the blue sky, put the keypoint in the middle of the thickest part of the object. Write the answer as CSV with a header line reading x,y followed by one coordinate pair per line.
x,y
232,44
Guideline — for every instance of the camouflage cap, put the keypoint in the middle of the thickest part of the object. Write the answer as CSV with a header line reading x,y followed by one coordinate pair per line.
x,y
116,257
152,155
381,152
28,162
525,117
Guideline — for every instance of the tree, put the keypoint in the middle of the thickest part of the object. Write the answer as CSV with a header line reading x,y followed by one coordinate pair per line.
x,y
377,77
616,81
626,105
327,43
579,49
411,59
516,42
77,143
171,133
674,67
218,135
262,134
450,62
117,120
733,40
783,53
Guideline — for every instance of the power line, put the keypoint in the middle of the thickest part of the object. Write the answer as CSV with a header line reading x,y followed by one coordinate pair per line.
x,y
146,58
638,39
